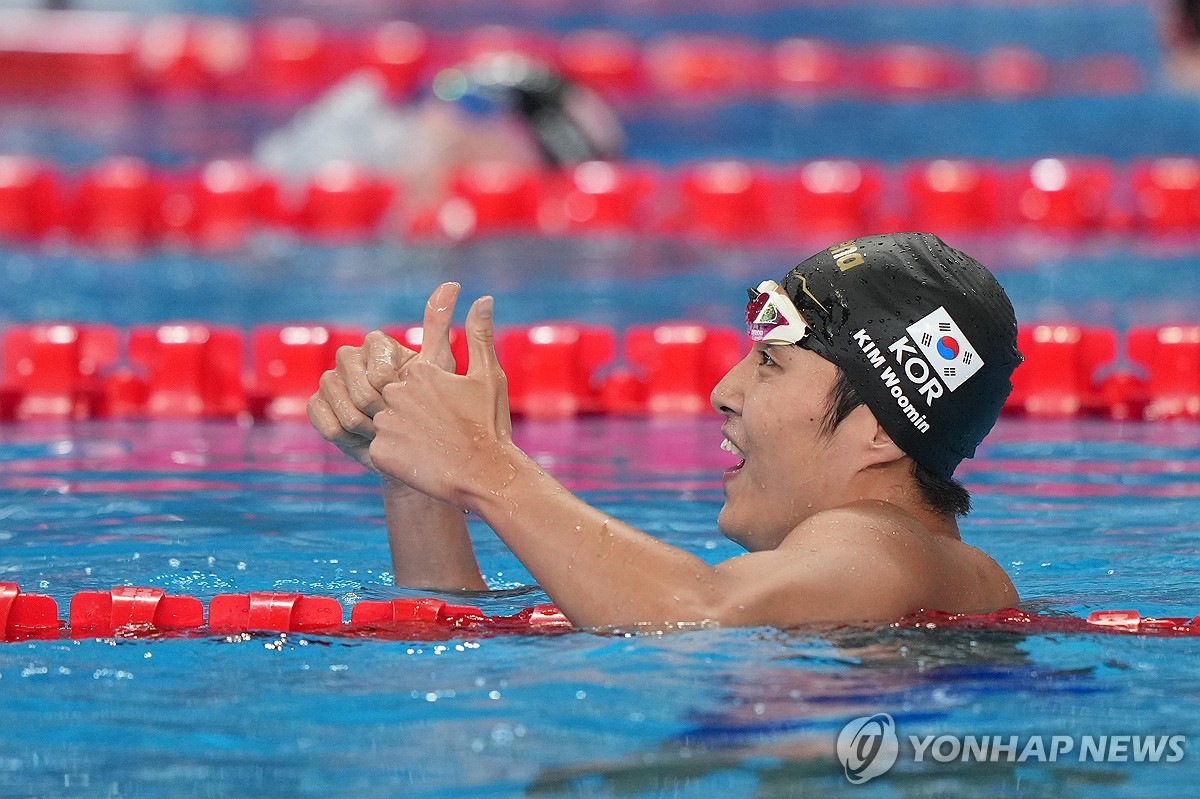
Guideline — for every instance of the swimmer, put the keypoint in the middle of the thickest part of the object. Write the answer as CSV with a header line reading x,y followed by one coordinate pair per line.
x,y
875,367
500,108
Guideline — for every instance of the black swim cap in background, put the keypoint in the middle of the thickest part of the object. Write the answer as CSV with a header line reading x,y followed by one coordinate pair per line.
x,y
570,123
923,331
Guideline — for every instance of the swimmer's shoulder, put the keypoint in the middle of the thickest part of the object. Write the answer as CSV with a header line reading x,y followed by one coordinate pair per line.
x,y
940,572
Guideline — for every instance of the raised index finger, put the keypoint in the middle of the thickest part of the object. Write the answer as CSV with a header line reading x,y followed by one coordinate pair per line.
x,y
481,339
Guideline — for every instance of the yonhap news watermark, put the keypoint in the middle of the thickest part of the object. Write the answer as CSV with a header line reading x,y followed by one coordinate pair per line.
x,y
869,746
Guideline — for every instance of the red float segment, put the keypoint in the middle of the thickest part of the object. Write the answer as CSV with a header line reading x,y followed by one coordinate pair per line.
x,y
53,369
1166,195
1058,377
1066,195
550,368
66,51
727,201
399,51
608,62
700,67
343,201
1171,357
1012,72
133,610
26,615
369,613
192,54
117,203
30,198
953,195
221,204
288,363
273,612
915,70
807,68
833,199
600,197
491,198
683,363
190,371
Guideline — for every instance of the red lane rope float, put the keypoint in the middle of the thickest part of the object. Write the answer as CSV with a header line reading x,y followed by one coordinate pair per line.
x,y
125,205
139,611
556,371
289,59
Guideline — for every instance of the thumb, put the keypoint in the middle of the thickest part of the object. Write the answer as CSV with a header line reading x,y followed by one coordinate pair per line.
x,y
481,339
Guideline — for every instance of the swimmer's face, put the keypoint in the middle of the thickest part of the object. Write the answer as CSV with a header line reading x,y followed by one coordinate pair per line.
x,y
774,401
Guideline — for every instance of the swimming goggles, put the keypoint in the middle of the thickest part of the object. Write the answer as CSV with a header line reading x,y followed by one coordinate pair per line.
x,y
771,316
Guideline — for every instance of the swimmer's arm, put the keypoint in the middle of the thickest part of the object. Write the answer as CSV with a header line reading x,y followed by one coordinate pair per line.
x,y
429,542
603,572
428,539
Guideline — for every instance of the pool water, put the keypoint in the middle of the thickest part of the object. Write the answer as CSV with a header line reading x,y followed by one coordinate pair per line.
x,y
1083,515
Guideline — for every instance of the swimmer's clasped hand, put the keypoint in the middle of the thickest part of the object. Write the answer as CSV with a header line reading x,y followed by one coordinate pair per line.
x,y
447,435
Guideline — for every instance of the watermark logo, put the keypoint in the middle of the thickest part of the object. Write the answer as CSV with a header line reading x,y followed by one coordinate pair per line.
x,y
868,747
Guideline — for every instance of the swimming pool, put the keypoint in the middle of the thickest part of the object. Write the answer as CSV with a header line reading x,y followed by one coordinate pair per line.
x,y
1084,515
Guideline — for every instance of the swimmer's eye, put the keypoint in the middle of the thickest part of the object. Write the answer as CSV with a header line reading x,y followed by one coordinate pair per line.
x,y
765,358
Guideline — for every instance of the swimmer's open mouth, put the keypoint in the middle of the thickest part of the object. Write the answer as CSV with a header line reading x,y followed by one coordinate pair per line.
x,y
730,447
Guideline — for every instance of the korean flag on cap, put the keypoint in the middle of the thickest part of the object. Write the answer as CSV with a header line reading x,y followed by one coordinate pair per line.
x,y
942,342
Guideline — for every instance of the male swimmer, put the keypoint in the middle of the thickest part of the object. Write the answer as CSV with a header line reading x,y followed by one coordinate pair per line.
x,y
875,368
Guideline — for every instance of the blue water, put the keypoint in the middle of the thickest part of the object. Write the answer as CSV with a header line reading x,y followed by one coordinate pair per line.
x,y
1083,515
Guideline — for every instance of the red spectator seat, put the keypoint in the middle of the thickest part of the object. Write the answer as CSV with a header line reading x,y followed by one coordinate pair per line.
x,y
914,71
127,609
26,615
698,67
30,199
1171,357
682,363
118,203
1065,196
833,199
1010,72
953,195
218,206
192,54
400,52
1166,195
273,612
53,369
606,61
809,68
342,201
727,201
551,367
604,197
190,371
288,363
1059,375
491,198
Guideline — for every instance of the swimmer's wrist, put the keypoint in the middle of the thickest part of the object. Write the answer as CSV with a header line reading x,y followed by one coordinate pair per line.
x,y
506,473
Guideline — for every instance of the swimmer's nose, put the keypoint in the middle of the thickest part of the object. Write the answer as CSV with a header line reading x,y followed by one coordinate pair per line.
x,y
726,397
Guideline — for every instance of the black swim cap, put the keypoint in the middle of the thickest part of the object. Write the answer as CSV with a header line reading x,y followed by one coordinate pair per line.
x,y
923,332
570,123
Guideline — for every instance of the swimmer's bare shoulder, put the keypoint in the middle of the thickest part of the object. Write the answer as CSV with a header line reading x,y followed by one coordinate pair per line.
x,y
867,561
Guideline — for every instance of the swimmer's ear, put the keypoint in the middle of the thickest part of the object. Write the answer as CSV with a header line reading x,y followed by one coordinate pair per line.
x,y
881,448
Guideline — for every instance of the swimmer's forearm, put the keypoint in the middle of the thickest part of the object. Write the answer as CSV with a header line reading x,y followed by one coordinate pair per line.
x,y
597,569
429,542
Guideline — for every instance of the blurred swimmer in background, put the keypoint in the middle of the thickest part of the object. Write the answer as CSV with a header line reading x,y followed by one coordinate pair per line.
x,y
499,108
